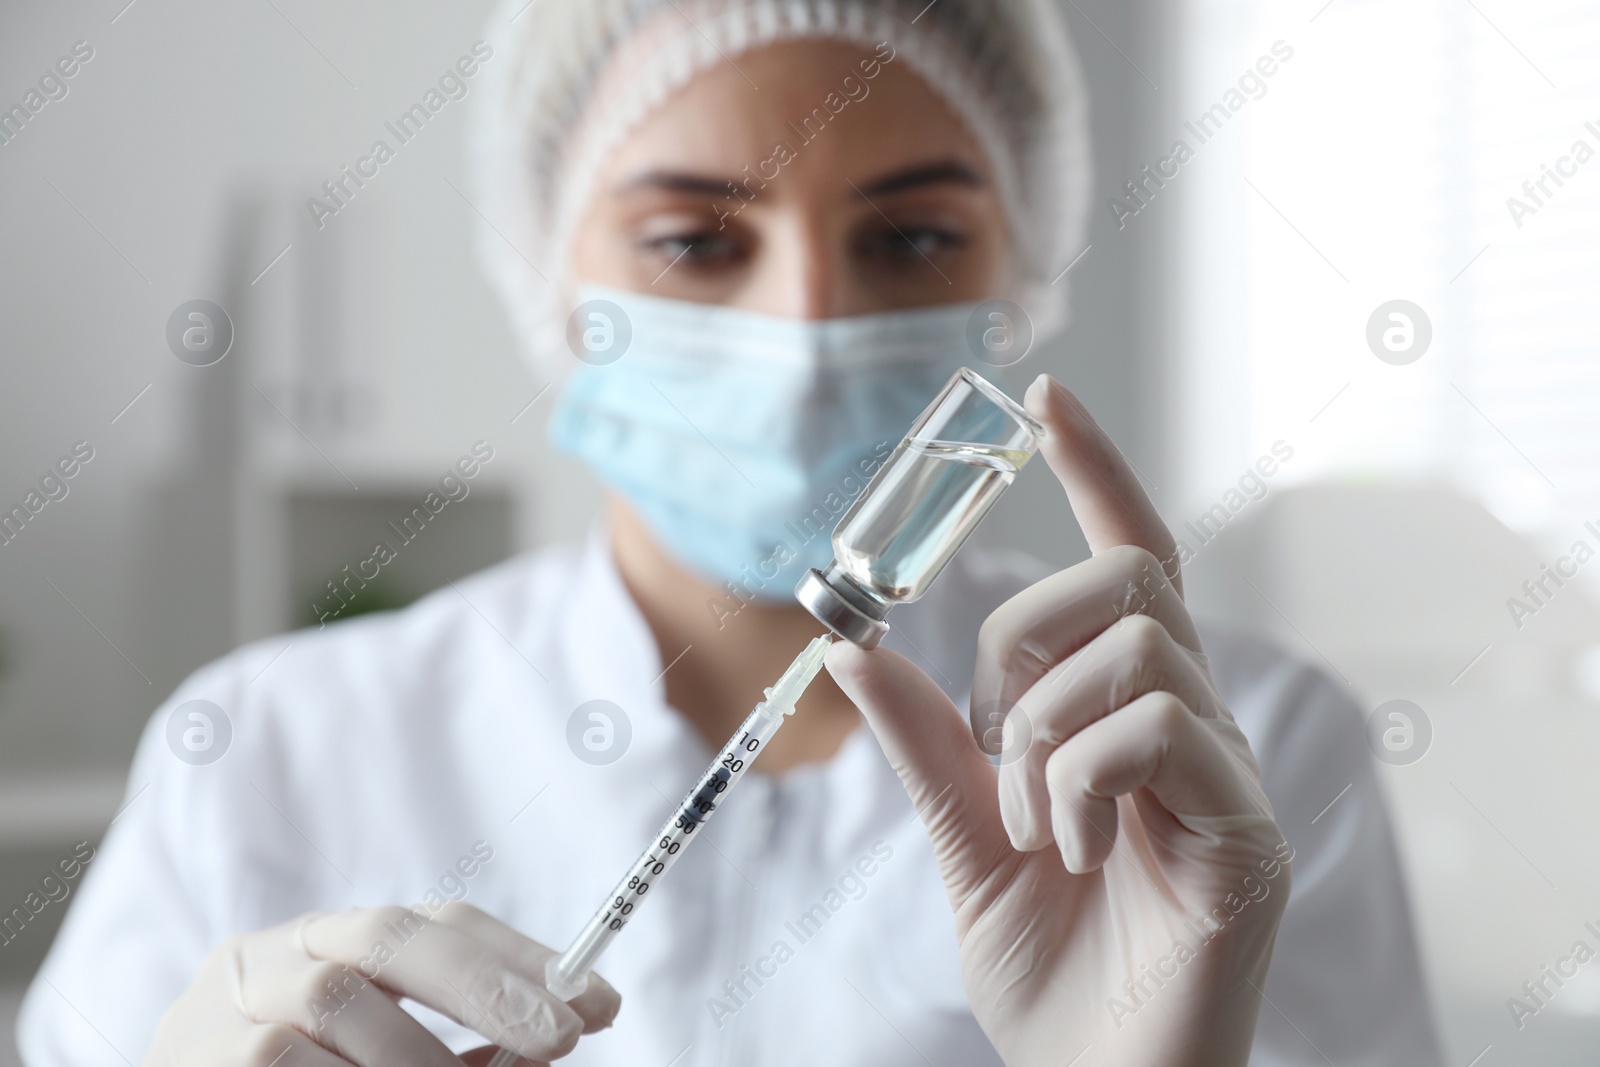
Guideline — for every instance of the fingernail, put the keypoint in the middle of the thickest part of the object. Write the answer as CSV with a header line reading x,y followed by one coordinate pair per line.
x,y
1037,398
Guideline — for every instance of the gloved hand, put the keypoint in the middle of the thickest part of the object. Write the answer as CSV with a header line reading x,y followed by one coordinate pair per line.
x,y
1118,881
319,992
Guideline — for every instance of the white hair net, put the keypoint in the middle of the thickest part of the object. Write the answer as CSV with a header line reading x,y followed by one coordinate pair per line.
x,y
573,77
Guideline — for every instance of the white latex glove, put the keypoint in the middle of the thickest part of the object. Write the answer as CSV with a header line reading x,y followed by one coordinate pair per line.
x,y
1131,824
312,993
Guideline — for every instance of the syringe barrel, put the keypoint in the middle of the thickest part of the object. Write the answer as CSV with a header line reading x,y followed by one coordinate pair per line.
x,y
567,975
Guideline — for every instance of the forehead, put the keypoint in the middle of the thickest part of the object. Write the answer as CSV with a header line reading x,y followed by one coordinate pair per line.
x,y
811,105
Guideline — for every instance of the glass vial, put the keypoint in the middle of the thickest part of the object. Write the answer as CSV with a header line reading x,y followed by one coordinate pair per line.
x,y
931,493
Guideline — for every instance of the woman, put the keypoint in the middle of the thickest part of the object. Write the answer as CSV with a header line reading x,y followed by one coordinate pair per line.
x,y
762,227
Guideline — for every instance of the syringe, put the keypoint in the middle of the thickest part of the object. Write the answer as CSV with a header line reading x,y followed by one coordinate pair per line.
x,y
567,975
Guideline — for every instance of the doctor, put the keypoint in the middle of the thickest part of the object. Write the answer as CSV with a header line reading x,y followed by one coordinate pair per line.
x,y
790,207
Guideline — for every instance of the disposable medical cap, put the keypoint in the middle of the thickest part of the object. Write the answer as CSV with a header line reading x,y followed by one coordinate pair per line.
x,y
570,78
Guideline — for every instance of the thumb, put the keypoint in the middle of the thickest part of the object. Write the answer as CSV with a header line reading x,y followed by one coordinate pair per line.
x,y
950,782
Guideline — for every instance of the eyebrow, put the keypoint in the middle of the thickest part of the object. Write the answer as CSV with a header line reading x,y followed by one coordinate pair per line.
x,y
674,181
942,172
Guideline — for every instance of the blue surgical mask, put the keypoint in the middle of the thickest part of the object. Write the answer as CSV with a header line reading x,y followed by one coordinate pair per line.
x,y
741,438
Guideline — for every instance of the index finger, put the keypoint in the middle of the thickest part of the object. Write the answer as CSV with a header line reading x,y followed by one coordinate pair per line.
x,y
1105,494
597,1005
411,954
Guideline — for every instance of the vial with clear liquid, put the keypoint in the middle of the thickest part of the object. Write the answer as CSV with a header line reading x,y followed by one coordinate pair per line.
x,y
931,493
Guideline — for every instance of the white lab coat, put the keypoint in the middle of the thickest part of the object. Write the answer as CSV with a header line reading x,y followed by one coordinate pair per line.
x,y
372,757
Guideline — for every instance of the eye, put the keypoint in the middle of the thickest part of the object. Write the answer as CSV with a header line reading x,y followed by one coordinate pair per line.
x,y
907,243
698,248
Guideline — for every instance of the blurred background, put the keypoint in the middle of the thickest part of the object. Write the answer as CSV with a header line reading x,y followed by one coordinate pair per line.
x,y
1236,301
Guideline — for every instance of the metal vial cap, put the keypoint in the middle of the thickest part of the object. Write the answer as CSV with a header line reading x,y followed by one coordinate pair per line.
x,y
843,606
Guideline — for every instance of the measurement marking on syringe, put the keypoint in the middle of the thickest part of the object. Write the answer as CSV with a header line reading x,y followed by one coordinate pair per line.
x,y
712,845
694,810
566,975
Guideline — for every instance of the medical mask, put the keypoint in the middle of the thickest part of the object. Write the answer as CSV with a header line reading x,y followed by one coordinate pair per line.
x,y
741,438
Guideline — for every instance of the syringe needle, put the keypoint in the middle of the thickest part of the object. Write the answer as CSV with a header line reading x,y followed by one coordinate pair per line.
x,y
567,975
